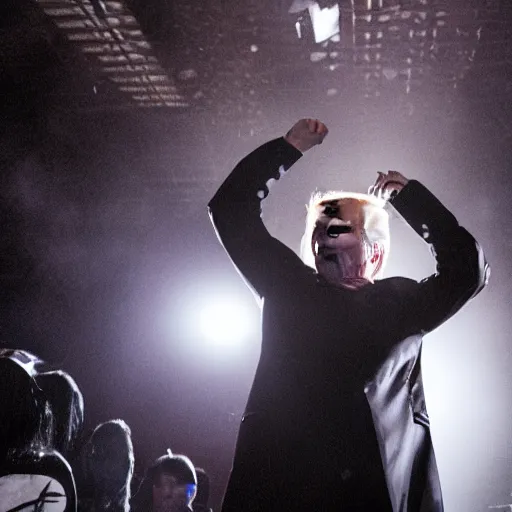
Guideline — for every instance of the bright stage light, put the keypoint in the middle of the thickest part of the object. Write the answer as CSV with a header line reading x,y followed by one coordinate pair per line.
x,y
227,322
326,22
325,19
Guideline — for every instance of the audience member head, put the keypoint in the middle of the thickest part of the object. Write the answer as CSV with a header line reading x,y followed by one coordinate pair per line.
x,y
67,406
26,418
30,362
203,491
170,485
107,468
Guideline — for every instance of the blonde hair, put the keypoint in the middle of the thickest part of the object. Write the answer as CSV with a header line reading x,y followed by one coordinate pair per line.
x,y
376,221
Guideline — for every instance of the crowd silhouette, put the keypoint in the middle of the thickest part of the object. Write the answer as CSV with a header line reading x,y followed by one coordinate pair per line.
x,y
48,463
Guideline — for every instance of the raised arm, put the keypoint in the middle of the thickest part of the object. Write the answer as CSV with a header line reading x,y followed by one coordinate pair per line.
x,y
461,270
235,209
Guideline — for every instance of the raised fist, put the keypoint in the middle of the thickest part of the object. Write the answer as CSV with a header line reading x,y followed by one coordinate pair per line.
x,y
306,133
387,185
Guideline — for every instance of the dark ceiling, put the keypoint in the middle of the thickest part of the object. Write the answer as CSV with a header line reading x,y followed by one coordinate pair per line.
x,y
80,54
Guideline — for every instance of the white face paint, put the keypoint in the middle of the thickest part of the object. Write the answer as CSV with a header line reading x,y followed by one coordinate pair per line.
x,y
343,252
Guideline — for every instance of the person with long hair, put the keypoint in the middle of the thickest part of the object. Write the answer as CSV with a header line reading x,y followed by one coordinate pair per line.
x,y
105,469
67,405
62,394
33,476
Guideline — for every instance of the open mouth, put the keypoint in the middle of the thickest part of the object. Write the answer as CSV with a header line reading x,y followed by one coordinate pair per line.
x,y
334,231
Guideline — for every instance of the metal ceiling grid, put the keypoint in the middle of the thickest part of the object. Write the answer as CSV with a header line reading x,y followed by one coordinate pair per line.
x,y
404,45
110,38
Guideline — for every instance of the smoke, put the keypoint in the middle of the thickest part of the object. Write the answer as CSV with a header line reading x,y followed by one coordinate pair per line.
x,y
47,221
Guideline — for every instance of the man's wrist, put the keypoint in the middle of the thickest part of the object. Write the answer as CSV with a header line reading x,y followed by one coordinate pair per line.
x,y
294,142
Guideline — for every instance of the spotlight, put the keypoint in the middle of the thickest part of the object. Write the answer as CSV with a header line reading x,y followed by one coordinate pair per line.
x,y
325,18
326,21
227,322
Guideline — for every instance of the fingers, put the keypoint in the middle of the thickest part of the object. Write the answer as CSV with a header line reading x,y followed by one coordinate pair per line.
x,y
376,188
387,184
316,126
379,187
381,179
322,129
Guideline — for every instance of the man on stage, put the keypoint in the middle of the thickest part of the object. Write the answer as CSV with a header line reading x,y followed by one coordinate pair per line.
x,y
336,418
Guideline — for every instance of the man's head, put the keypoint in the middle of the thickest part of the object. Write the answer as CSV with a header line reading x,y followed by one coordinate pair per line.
x,y
174,483
347,236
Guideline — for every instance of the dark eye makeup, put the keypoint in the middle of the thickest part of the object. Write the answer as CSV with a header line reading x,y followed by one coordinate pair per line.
x,y
331,210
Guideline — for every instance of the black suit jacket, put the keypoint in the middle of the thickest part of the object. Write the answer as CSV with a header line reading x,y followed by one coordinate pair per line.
x,y
344,364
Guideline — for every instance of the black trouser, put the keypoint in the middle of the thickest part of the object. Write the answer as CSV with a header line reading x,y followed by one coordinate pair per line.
x,y
289,466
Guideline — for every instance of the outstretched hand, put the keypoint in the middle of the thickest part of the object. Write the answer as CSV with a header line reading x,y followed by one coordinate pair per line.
x,y
387,185
306,133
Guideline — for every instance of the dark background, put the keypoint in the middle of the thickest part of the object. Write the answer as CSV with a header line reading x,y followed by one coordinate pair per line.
x,y
108,259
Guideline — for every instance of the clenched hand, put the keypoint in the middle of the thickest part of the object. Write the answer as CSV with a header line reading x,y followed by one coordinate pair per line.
x,y
306,133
